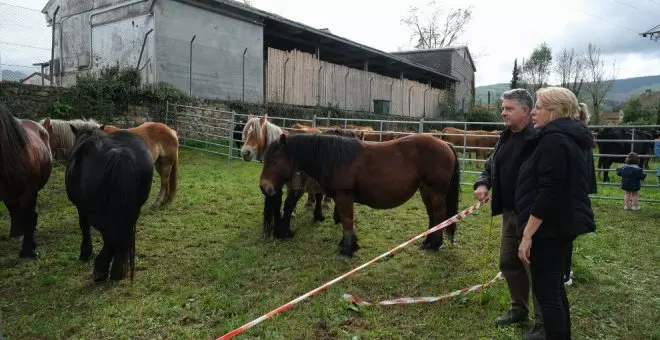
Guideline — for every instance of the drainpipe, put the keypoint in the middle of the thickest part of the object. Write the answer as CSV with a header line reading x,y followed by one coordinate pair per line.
x,y
142,50
52,47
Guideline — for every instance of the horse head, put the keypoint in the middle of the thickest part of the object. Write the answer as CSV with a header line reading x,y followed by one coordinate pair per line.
x,y
278,167
257,134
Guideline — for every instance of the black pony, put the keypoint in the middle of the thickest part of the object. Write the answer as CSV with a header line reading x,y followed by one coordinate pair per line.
x,y
622,148
108,179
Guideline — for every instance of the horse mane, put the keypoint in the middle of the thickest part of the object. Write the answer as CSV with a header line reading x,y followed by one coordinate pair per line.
x,y
13,155
61,130
273,132
318,154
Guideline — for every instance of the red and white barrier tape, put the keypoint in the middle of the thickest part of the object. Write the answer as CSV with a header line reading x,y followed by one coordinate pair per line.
x,y
454,219
407,300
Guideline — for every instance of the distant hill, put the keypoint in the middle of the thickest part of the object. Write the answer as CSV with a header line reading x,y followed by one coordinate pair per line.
x,y
622,90
13,75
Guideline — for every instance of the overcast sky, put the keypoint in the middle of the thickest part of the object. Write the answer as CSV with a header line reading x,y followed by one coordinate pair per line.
x,y
499,31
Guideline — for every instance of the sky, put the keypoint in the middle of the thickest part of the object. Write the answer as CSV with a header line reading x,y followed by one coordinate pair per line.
x,y
499,32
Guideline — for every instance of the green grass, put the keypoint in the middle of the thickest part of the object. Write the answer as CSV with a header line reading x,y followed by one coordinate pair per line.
x,y
203,269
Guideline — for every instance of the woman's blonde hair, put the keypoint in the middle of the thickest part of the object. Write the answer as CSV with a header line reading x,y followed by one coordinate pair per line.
x,y
562,103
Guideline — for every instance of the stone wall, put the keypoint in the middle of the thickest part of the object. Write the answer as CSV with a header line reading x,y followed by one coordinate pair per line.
x,y
28,101
210,122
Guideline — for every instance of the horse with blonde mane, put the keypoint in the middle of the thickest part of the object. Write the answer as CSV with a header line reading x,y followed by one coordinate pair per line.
x,y
60,136
163,144
258,133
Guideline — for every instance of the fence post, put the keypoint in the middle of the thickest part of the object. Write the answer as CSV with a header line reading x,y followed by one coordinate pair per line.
x,y
632,144
421,125
167,111
231,138
190,72
244,51
465,154
284,90
314,121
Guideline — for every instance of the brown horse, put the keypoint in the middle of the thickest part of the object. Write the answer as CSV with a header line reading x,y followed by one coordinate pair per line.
x,y
379,175
25,166
163,145
258,132
471,139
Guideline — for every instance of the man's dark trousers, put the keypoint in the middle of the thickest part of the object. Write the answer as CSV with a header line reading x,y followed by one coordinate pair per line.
x,y
515,272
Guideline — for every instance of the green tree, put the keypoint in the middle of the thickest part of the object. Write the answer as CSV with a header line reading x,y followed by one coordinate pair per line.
x,y
515,79
536,70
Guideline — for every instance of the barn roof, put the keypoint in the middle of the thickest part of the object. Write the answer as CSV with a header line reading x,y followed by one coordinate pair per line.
x,y
283,33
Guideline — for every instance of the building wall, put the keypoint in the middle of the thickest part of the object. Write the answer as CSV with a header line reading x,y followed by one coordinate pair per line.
x,y
461,68
454,62
297,78
93,33
217,52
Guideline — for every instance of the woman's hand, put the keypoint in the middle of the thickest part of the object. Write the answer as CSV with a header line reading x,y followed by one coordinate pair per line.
x,y
524,249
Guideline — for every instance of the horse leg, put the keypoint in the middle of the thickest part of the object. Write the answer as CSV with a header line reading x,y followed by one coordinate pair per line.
x,y
15,227
86,241
318,211
271,213
435,208
348,242
311,199
28,220
103,259
326,202
606,166
163,171
335,215
284,229
119,259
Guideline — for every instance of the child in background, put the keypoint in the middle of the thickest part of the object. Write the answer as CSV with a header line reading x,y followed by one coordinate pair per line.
x,y
631,180
657,155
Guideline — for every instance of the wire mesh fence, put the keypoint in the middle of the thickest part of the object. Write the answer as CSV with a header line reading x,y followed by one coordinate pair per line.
x,y
25,43
220,132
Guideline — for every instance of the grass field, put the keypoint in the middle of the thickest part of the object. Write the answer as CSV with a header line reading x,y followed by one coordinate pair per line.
x,y
204,269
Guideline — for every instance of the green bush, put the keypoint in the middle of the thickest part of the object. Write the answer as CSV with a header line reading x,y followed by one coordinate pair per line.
x,y
108,93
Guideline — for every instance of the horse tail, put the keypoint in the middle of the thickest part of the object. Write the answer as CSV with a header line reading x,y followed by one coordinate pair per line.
x,y
173,177
453,195
122,200
13,156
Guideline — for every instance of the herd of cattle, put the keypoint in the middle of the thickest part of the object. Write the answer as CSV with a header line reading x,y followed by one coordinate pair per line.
x,y
614,143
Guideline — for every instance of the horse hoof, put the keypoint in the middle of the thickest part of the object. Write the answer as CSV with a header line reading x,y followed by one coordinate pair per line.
x,y
344,258
100,277
28,255
86,257
319,218
284,235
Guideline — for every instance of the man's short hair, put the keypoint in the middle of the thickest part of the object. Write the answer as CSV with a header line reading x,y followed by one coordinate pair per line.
x,y
522,96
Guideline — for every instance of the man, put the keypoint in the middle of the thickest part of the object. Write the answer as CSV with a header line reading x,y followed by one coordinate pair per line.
x,y
501,173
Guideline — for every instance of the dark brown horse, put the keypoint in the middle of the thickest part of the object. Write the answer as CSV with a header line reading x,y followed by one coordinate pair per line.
x,y
25,168
379,175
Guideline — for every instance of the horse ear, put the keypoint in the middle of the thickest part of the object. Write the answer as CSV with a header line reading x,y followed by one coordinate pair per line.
x,y
102,127
73,129
47,124
283,139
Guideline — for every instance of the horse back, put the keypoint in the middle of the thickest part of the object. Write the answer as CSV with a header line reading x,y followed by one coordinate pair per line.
x,y
160,138
40,155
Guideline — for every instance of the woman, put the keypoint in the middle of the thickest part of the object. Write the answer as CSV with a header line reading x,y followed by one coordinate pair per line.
x,y
552,198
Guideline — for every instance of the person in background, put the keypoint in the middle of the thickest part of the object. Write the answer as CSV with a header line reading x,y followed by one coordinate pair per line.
x,y
500,173
552,200
657,155
631,181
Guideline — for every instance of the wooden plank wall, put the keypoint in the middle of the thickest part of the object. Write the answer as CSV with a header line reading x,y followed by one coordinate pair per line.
x,y
348,88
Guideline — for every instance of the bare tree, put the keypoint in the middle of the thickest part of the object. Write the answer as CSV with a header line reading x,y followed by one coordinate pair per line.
x,y
431,28
599,80
569,69
536,70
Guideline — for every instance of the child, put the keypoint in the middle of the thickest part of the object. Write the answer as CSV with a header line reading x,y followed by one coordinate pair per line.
x,y
631,177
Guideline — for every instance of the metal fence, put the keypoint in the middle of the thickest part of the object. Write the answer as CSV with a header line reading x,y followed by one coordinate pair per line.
x,y
213,130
